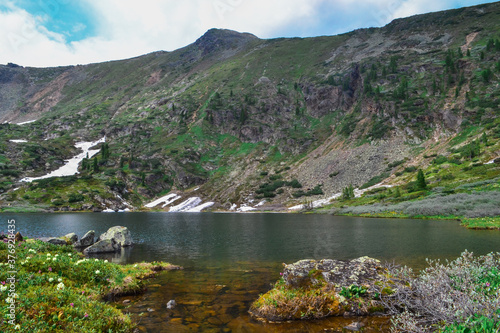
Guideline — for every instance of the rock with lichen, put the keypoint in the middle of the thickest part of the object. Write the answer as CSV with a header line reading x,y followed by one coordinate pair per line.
x,y
312,289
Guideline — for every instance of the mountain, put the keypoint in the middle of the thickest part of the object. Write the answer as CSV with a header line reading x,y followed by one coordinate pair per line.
x,y
235,119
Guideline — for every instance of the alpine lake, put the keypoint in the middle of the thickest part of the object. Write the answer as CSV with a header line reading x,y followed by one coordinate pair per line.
x,y
231,258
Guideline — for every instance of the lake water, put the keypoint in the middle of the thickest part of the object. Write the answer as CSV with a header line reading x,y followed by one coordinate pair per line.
x,y
229,259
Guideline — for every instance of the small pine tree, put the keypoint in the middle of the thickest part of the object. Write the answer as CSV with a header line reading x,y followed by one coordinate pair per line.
x,y
468,52
421,182
397,192
484,138
95,165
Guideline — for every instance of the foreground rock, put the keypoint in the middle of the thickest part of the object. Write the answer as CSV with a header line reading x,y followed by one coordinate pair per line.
x,y
103,246
120,234
312,289
86,240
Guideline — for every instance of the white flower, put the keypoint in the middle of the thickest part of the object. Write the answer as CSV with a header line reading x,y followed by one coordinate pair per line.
x,y
51,279
106,261
98,271
32,251
17,327
135,265
9,300
96,259
3,288
60,286
54,259
59,280
69,254
48,254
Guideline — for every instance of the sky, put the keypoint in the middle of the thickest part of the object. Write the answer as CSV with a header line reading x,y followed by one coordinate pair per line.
x,y
46,33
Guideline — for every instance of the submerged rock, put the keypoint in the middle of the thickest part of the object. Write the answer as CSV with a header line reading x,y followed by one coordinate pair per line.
x,y
312,289
103,246
120,234
171,304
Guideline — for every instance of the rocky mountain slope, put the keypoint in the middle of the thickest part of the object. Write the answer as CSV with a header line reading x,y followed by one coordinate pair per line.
x,y
237,120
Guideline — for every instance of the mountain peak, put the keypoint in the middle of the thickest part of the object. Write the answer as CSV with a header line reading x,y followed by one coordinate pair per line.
x,y
222,39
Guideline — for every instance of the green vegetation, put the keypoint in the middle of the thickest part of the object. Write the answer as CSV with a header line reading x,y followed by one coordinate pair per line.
x,y
59,290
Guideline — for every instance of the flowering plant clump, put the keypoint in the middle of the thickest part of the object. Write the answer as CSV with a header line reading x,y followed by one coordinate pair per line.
x,y
59,290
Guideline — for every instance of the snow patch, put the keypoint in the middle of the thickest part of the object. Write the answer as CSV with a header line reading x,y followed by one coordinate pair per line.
x,y
167,200
199,208
71,166
233,207
260,203
26,122
245,208
323,202
18,141
491,162
108,210
186,205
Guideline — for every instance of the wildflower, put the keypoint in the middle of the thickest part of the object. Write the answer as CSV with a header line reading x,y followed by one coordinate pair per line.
x,y
51,279
59,280
83,292
106,261
39,271
50,269
487,284
57,255
98,271
60,286
32,251
9,300
86,315
135,265
3,282
71,304
54,259
96,259
3,288
69,254
17,327
48,254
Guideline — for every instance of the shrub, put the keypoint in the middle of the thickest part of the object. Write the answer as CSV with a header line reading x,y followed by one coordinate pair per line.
x,y
75,197
458,293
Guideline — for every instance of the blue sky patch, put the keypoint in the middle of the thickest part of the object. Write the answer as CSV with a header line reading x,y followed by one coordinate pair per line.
x,y
70,18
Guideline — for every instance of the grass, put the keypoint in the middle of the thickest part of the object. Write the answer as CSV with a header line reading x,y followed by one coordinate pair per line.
x,y
58,290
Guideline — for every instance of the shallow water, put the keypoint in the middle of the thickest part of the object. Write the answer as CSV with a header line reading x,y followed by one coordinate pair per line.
x,y
229,259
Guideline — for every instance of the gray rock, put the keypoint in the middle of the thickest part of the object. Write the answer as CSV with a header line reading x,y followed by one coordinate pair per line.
x,y
71,238
103,246
171,304
360,271
87,239
53,240
120,234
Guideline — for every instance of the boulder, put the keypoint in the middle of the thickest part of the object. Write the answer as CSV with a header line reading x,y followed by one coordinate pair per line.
x,y
71,238
103,246
53,240
86,240
18,237
120,234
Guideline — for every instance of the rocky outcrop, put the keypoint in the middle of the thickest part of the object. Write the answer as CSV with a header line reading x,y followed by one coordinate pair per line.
x,y
312,289
103,246
121,235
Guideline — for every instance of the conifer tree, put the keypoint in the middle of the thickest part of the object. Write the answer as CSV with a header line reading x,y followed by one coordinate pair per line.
x,y
421,183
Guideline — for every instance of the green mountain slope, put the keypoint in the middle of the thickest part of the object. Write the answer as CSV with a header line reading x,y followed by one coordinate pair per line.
x,y
241,119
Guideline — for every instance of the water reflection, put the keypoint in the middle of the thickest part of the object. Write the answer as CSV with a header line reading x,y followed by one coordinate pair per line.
x,y
230,258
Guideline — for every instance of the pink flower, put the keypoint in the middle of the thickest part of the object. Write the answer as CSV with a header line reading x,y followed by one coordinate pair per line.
x,y
3,282
281,273
83,292
487,284
50,269
72,304
39,272
86,315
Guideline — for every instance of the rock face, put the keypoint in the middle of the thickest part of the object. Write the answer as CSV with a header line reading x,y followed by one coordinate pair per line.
x,y
103,246
121,235
322,288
